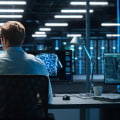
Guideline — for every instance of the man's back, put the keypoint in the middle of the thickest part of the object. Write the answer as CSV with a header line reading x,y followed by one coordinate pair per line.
x,y
16,61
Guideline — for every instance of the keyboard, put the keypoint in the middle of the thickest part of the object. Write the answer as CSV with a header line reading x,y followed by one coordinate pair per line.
x,y
108,97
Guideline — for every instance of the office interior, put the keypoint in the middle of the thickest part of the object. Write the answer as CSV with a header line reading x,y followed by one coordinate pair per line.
x,y
51,25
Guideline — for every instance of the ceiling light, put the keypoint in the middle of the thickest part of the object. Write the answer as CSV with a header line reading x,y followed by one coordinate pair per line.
x,y
78,3
75,11
34,35
10,16
11,10
40,33
110,24
68,16
98,3
56,24
1,24
113,35
12,2
45,29
74,35
91,3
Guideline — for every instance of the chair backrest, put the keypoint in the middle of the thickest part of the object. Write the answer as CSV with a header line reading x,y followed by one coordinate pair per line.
x,y
23,96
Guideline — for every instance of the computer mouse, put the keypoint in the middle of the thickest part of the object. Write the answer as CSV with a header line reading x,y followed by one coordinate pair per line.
x,y
66,97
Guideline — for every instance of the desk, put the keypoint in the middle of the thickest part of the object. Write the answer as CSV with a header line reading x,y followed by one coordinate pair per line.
x,y
77,102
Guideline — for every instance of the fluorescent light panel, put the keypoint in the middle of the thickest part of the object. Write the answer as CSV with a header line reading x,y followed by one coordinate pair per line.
x,y
75,11
56,24
45,29
91,3
113,35
10,16
12,10
110,24
74,35
1,24
42,33
78,3
68,16
12,2
34,35
98,3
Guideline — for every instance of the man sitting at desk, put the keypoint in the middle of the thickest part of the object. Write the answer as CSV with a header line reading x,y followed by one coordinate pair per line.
x,y
14,60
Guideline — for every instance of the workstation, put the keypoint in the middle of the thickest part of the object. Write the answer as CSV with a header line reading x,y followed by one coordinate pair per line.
x,y
79,42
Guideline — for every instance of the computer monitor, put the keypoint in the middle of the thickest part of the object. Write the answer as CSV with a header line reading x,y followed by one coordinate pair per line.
x,y
58,64
112,68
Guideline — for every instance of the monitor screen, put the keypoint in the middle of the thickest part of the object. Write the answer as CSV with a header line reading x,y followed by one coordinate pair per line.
x,y
58,64
112,68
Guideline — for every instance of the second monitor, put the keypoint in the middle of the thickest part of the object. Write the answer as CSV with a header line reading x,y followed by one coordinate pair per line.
x,y
112,68
58,64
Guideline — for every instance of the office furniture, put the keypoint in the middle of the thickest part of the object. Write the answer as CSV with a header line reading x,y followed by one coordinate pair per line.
x,y
23,97
82,103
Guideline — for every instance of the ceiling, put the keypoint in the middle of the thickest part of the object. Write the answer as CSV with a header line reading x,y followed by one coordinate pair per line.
x,y
38,12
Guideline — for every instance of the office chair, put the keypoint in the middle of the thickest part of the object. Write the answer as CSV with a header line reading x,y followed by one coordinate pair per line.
x,y
23,97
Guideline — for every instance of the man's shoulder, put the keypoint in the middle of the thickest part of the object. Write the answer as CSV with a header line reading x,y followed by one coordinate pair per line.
x,y
39,63
33,58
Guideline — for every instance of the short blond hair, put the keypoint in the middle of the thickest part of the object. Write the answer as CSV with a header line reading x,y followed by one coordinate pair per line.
x,y
14,32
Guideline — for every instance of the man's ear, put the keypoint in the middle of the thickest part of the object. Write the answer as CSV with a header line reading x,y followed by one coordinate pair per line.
x,y
3,40
4,43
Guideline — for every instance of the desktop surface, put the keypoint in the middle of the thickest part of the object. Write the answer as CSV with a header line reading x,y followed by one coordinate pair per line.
x,y
76,101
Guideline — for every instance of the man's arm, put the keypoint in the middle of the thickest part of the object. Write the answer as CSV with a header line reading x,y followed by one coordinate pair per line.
x,y
50,94
44,71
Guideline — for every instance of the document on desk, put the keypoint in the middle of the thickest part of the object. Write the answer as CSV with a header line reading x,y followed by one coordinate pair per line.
x,y
108,97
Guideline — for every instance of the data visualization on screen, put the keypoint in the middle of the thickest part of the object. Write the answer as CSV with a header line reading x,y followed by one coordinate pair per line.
x,y
58,64
112,68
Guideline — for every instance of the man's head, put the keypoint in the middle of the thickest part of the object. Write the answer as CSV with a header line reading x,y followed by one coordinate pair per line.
x,y
12,34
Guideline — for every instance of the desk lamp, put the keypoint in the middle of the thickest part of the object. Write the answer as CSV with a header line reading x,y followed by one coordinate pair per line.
x,y
77,41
